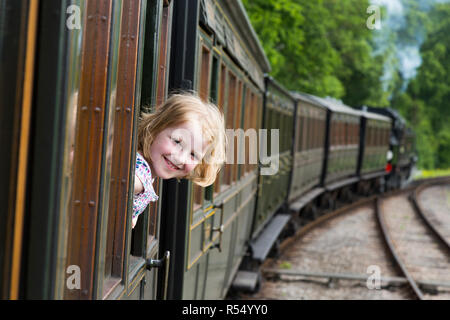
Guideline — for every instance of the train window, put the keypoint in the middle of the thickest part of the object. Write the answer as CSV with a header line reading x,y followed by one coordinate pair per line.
x,y
336,132
213,96
309,133
339,132
246,142
372,136
203,89
348,133
204,74
85,158
351,133
285,132
332,132
237,124
221,105
161,95
314,130
377,135
318,132
250,118
322,132
124,117
305,131
232,95
253,117
258,124
302,132
198,196
161,91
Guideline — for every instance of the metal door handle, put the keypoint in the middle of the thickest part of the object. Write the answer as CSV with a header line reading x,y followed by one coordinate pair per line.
x,y
220,230
163,264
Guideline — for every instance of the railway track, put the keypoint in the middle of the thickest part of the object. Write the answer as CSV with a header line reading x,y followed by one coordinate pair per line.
x,y
389,247
418,246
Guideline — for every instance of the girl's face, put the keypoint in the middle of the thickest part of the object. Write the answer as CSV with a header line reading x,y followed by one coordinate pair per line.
x,y
176,151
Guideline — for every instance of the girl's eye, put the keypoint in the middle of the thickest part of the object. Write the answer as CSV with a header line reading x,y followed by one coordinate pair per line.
x,y
177,141
194,157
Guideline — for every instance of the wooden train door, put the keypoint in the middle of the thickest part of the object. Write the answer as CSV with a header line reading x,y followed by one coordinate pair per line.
x,y
77,241
155,72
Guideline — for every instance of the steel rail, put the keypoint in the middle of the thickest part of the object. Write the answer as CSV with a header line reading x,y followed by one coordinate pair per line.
x,y
390,244
348,208
360,203
413,198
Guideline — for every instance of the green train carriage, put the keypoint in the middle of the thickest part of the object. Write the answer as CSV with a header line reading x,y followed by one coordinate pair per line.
x,y
208,228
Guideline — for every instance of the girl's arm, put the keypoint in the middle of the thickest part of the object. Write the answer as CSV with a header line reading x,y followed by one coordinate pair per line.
x,y
138,186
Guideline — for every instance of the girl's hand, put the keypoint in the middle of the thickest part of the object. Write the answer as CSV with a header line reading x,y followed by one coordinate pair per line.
x,y
138,186
133,222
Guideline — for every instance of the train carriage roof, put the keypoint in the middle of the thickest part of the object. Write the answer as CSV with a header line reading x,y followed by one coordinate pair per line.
x,y
307,98
231,26
375,116
337,106
388,112
274,83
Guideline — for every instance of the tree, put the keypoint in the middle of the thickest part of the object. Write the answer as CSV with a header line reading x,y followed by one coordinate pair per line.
x,y
320,47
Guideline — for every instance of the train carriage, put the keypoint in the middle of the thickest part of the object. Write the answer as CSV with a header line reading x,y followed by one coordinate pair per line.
x,y
375,134
207,229
279,108
308,153
89,75
77,76
339,174
376,143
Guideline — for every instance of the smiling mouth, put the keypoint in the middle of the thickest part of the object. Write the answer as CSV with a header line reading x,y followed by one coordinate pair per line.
x,y
170,164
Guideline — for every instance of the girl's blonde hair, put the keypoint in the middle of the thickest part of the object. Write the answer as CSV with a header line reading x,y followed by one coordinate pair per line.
x,y
178,109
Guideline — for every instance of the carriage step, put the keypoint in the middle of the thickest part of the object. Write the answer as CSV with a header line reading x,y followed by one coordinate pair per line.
x,y
307,198
262,245
246,281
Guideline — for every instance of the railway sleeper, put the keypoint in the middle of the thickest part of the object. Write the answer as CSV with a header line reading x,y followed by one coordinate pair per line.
x,y
331,279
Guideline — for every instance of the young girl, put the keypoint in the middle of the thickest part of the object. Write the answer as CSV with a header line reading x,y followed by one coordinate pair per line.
x,y
184,138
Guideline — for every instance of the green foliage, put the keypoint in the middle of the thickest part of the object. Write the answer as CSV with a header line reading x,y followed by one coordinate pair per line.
x,y
430,89
324,47
321,47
